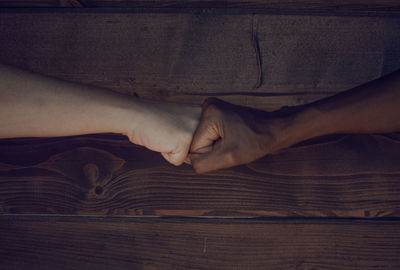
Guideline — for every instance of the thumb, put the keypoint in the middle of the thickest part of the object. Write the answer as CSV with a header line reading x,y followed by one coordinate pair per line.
x,y
191,156
214,160
204,136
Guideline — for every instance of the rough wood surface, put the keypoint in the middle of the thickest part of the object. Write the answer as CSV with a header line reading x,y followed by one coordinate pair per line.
x,y
259,60
40,3
186,57
335,5
136,243
341,176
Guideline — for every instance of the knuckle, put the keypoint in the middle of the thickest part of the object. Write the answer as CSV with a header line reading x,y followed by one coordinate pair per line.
x,y
212,113
210,101
174,159
211,104
176,162
230,158
212,109
197,167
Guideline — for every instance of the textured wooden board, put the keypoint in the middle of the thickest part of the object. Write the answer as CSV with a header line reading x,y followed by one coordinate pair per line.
x,y
343,176
38,3
137,243
186,57
335,5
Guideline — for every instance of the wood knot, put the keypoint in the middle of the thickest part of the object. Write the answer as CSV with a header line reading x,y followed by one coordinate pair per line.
x,y
91,172
99,190
88,167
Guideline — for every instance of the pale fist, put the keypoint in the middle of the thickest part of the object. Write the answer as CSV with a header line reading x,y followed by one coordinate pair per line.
x,y
167,128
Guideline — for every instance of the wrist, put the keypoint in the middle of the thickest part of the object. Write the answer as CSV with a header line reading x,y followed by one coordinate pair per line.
x,y
289,126
122,114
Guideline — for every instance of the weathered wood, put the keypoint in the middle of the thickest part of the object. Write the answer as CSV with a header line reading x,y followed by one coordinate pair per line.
x,y
137,243
40,3
335,5
344,176
186,57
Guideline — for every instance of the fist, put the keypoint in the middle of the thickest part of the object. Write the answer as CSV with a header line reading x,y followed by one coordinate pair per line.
x,y
166,128
230,135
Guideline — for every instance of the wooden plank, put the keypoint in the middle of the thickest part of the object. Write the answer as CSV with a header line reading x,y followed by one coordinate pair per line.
x,y
343,176
185,57
335,5
40,3
142,243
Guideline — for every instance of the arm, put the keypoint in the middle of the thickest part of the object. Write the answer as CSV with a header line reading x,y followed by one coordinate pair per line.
x,y
230,135
32,105
370,108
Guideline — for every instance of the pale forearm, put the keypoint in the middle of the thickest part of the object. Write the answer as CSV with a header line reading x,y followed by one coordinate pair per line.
x,y
32,105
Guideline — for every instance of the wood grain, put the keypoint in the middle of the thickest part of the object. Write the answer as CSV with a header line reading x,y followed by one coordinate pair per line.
x,y
40,3
263,61
137,243
186,57
341,176
335,5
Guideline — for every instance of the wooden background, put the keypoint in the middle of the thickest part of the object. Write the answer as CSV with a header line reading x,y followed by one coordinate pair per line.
x,y
319,5
97,201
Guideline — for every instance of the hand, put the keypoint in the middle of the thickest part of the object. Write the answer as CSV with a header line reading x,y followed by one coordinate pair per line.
x,y
166,128
230,135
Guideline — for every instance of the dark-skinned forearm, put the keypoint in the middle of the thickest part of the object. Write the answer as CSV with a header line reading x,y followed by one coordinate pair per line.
x,y
370,108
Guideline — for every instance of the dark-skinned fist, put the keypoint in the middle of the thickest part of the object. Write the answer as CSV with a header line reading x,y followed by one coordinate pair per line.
x,y
230,135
